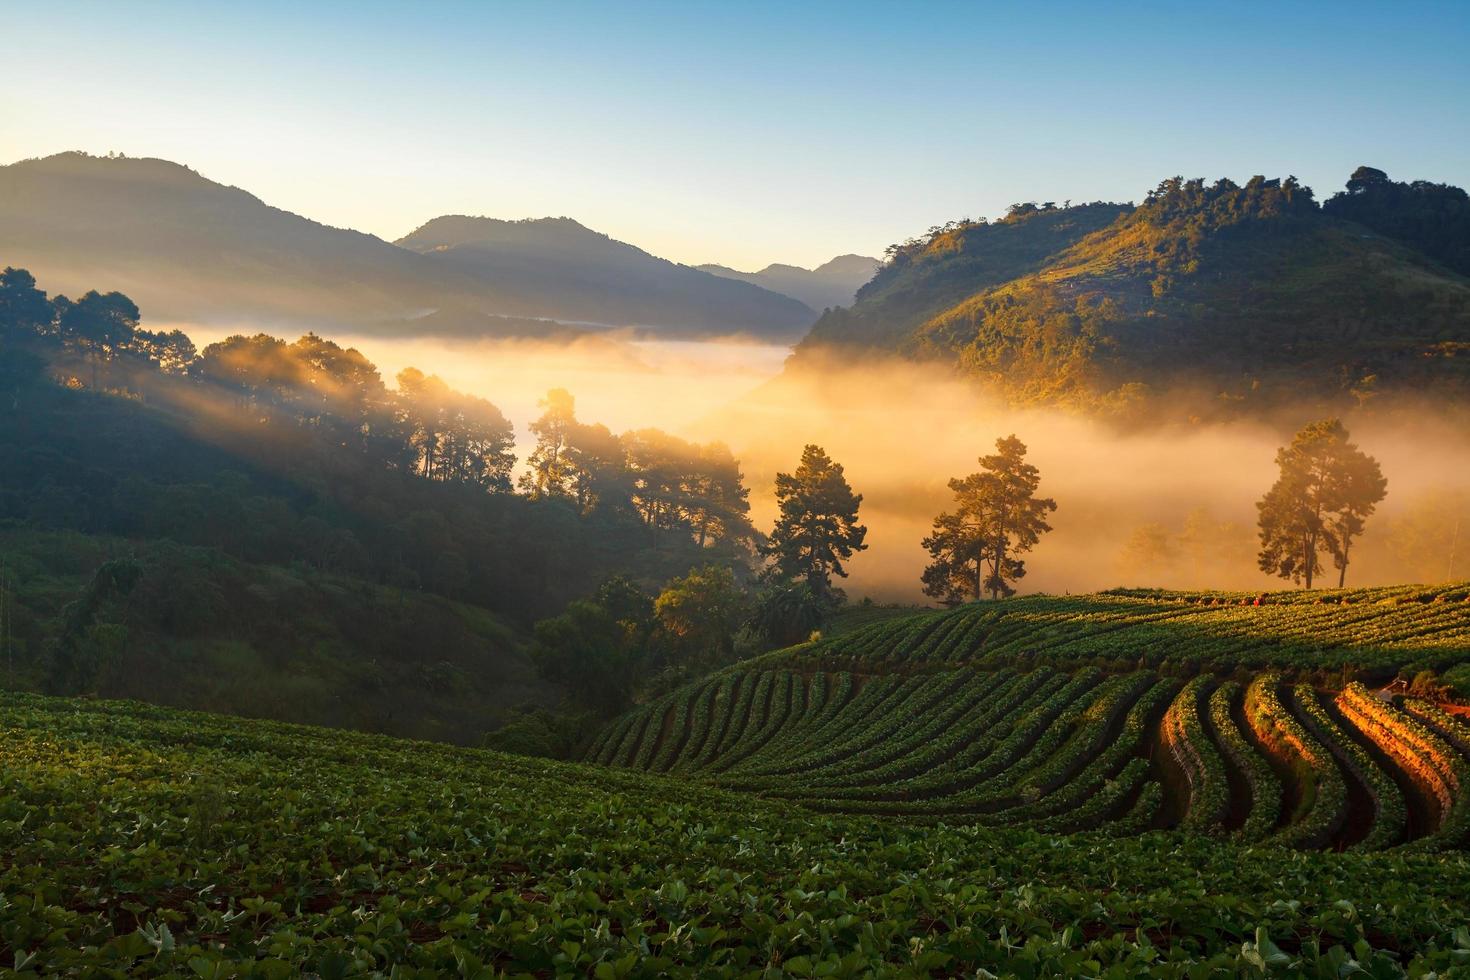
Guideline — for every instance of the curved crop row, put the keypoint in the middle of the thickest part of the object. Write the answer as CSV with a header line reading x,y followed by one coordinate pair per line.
x,y
1428,759
1265,788
1184,735
1390,816
904,732
1323,805
954,754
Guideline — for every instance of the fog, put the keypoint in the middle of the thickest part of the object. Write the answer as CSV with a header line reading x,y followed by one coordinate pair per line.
x,y
1172,506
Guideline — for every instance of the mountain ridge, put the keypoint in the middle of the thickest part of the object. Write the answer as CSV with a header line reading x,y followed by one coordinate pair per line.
x,y
832,284
191,249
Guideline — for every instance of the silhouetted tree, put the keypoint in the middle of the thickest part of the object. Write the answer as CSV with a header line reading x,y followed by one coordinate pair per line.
x,y
1326,490
1433,218
788,612
172,352
997,517
24,309
99,326
818,528
549,472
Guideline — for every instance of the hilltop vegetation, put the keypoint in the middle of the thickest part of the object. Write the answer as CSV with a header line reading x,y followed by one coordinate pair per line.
x,y
1241,298
147,841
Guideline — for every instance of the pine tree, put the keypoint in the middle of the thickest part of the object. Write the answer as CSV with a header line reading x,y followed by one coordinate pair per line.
x,y
549,472
998,517
1326,490
818,526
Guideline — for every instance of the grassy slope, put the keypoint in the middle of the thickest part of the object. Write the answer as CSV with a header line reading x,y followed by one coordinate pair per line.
x,y
151,841
205,631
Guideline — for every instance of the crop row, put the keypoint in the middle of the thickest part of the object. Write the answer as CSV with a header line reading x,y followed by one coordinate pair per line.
x,y
1379,630
1183,734
1055,750
1322,808
1428,759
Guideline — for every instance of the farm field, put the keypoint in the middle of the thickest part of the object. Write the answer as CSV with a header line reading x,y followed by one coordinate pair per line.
x,y
141,840
1025,789
1233,716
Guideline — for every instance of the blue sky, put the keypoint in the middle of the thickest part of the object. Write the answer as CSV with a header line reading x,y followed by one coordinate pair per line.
x,y
738,133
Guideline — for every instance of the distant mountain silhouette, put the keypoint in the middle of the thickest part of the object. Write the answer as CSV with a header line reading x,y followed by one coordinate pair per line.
x,y
556,267
186,248
831,284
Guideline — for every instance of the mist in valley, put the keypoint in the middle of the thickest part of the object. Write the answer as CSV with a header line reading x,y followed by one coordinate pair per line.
x,y
1169,506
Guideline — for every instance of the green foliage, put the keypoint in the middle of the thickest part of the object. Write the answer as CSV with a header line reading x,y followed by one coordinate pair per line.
x,y
932,273
1327,490
787,612
276,452
818,528
589,653
1207,300
1042,713
146,841
1433,218
998,516
700,614
196,628
535,731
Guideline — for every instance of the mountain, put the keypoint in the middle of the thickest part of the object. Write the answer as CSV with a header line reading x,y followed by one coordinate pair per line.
x,y
555,267
186,248
829,285
1246,297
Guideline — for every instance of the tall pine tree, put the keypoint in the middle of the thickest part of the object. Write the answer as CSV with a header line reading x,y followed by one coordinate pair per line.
x,y
818,528
997,517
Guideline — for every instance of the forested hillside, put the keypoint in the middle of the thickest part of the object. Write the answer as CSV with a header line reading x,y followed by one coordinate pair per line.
x,y
267,527
1238,298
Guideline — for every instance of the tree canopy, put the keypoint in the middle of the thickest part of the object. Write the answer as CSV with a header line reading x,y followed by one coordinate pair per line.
x,y
997,517
817,530
1326,491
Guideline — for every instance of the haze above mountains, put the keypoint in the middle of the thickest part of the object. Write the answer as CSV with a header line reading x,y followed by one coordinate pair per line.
x,y
189,249
1245,296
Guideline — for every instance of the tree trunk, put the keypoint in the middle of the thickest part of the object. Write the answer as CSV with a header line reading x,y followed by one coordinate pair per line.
x,y
1342,571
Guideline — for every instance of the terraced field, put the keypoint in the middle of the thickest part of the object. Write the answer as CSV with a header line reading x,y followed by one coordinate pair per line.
x,y
142,841
1065,714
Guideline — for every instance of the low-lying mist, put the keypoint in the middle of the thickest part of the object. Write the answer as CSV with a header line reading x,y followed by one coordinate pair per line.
x,y
1171,506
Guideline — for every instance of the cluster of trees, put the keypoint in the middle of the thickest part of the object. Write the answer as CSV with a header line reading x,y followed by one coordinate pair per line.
x,y
1322,499
622,643
674,487
423,427
281,453
1434,218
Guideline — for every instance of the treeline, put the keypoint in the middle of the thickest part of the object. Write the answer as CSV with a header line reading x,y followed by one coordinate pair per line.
x,y
300,452
1433,218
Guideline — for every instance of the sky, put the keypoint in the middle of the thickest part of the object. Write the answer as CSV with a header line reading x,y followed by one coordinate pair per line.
x,y
739,133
